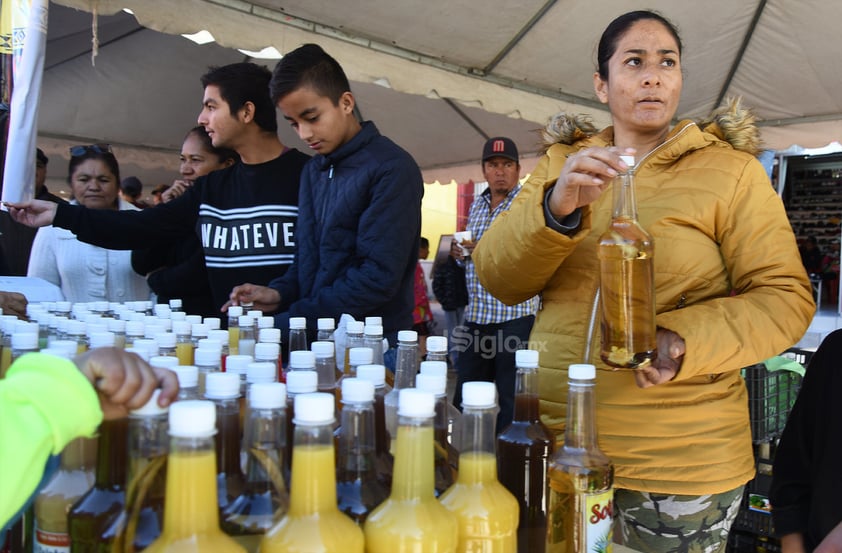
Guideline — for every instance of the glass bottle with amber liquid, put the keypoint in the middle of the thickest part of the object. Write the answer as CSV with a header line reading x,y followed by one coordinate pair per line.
x,y
627,281
523,452
581,488
92,514
223,389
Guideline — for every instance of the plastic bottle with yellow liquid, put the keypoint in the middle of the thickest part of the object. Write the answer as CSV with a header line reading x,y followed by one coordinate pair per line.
x,y
313,522
191,518
412,519
486,511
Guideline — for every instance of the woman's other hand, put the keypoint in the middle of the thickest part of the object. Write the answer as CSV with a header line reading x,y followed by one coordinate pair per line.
x,y
671,348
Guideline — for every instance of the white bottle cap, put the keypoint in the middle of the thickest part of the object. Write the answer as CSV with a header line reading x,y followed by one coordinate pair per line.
x,y
199,330
205,357
220,336
254,314
302,359
192,419
354,327
265,322
222,385
261,372
245,320
269,335
581,371
322,349
433,367
193,319
313,408
59,352
101,340
163,361
433,383
162,310
166,339
268,395
143,353
360,356
437,344
25,340
63,306
326,323
235,311
267,351
374,321
152,330
116,325
628,160
178,316
213,323
413,402
302,382
208,343
238,363
151,407
373,330
357,390
479,394
526,358
98,326
297,322
101,306
188,375
134,328
175,304
407,336
148,344
375,373
181,327
75,327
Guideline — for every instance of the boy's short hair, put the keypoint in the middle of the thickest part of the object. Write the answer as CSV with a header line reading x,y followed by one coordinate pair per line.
x,y
239,83
311,66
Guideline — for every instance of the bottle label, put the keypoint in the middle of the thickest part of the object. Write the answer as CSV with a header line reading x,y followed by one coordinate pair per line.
x,y
598,521
50,542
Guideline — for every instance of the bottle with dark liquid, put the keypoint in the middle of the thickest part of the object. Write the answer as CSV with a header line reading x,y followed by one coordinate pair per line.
x,y
581,502
383,459
265,498
627,282
92,514
357,487
523,451
223,389
140,523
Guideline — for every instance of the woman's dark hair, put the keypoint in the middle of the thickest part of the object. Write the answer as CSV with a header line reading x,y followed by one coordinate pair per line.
x,y
311,66
618,28
239,83
90,153
222,154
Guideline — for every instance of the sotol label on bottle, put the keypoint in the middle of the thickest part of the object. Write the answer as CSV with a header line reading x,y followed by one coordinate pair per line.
x,y
598,521
50,542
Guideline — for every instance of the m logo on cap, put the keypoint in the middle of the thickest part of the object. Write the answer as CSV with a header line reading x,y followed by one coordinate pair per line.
x,y
499,146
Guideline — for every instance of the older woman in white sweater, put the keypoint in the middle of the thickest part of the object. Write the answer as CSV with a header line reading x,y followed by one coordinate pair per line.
x,y
82,271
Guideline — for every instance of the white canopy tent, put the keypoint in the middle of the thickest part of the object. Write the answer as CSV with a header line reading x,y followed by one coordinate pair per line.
x,y
437,76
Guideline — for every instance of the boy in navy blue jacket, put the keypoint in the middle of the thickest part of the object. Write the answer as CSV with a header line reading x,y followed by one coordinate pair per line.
x,y
359,215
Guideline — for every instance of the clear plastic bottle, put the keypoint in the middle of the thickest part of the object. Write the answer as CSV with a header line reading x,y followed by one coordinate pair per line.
x,y
223,389
166,344
7,323
446,456
452,414
581,490
373,338
76,331
221,337
265,498
627,282
238,364
270,353
213,323
384,460
313,522
140,523
486,511
191,518
118,328
188,381
406,367
523,453
234,314
302,360
23,343
297,334
183,342
207,361
298,382
353,339
411,519
325,365
437,351
358,488
360,356
134,331
269,336
325,326
247,336
198,331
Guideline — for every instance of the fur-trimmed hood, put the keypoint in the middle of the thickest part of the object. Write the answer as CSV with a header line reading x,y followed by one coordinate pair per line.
x,y
732,123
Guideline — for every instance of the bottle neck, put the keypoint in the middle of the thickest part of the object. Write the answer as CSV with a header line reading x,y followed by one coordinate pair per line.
x,y
313,486
437,356
356,453
228,436
413,474
623,194
580,432
79,454
526,395
406,365
111,454
265,442
297,339
477,460
191,505
147,440
381,434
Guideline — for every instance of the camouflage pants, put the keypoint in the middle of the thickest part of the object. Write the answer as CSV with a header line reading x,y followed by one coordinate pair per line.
x,y
658,523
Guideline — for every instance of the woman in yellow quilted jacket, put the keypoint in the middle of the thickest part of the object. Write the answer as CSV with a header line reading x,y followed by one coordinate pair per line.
x,y
730,288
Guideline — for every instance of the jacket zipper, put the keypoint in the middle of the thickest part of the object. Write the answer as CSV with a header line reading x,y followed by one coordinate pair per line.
x,y
595,304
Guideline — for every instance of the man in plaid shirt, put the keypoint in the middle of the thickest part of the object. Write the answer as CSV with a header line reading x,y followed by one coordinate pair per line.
x,y
492,331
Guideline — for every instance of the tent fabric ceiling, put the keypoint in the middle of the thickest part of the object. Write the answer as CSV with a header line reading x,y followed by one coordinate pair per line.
x,y
525,60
